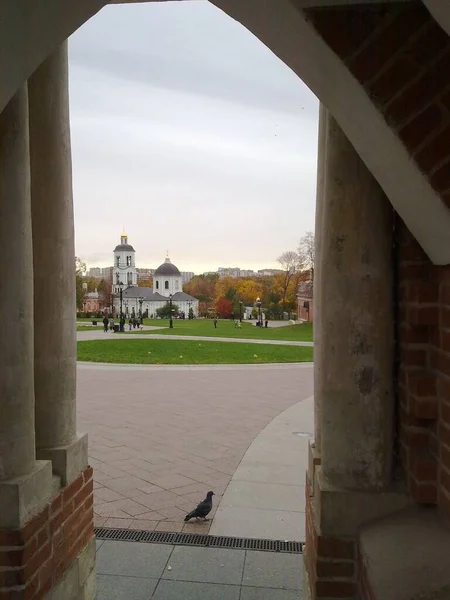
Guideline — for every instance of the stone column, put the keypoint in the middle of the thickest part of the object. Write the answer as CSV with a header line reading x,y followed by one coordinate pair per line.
x,y
24,483
319,334
356,322
54,268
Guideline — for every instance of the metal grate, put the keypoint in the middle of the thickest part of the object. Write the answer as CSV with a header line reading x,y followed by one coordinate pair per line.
x,y
196,539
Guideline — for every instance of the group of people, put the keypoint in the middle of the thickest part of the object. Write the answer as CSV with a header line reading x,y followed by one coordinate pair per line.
x,y
133,322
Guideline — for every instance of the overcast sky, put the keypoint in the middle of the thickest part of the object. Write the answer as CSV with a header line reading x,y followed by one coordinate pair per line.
x,y
189,133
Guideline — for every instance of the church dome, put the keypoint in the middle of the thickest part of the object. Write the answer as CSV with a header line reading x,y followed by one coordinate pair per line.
x,y
167,268
124,247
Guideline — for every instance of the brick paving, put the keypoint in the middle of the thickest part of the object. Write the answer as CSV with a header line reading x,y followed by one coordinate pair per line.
x,y
160,438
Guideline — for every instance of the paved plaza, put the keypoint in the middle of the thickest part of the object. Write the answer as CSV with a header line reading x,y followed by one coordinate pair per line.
x,y
161,436
140,571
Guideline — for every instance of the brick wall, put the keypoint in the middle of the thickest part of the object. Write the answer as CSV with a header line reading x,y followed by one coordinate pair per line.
x,y
330,562
400,55
34,558
424,373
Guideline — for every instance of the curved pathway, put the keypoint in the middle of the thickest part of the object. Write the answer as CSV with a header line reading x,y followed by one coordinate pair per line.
x,y
96,334
159,438
266,495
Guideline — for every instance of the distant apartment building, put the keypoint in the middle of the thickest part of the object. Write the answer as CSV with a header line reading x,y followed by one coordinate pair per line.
x,y
95,273
268,272
229,271
186,276
248,273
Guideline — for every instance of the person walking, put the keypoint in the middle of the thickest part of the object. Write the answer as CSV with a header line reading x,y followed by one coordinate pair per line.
x,y
215,322
105,324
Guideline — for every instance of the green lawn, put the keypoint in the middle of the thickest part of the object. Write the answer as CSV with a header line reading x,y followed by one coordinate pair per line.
x,y
180,352
205,327
88,327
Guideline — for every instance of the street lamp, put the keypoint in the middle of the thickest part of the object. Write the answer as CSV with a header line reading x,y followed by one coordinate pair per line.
x,y
258,304
121,328
240,311
141,300
189,311
170,308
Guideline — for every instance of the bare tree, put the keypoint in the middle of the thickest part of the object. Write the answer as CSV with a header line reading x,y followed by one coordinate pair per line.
x,y
306,251
291,264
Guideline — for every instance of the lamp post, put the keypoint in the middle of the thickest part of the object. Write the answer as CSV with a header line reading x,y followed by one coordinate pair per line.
x,y
141,300
240,311
121,313
189,311
258,304
170,308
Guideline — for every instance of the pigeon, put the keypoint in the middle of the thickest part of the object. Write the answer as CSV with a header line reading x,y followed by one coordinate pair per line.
x,y
203,509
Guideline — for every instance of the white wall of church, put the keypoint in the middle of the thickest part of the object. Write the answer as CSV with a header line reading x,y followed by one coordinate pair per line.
x,y
167,284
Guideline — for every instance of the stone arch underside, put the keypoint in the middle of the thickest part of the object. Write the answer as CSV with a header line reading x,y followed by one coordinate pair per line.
x,y
29,31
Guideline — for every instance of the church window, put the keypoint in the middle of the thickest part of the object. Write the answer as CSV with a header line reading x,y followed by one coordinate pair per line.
x,y
128,261
130,278
157,285
117,277
118,261
166,285
176,285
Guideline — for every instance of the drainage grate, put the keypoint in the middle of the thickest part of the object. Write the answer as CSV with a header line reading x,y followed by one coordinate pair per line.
x,y
196,539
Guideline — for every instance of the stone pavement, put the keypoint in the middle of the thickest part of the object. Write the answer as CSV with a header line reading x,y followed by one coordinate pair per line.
x,y
266,495
141,571
161,437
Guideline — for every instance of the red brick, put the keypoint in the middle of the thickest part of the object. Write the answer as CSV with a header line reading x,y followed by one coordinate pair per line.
x,y
84,493
428,315
87,475
71,522
46,573
414,357
10,537
372,59
56,522
435,150
424,408
89,502
444,317
11,558
37,560
70,491
423,469
332,568
335,589
445,456
335,548
422,383
445,413
421,127
56,504
444,502
441,179
427,46
356,24
424,493
416,438
393,80
35,524
418,95
445,479
409,271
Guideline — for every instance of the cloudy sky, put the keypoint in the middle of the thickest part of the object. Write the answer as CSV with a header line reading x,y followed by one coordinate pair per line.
x,y
189,133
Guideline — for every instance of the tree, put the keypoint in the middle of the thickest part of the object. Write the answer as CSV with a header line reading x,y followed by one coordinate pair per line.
x,y
202,287
306,251
164,311
105,289
80,270
224,308
145,282
290,262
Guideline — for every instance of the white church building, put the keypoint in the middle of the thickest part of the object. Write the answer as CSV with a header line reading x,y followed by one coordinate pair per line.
x,y
167,282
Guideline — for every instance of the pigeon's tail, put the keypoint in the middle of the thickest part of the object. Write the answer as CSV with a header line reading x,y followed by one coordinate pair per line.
x,y
191,515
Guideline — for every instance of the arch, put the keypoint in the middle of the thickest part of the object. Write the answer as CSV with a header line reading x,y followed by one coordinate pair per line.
x,y
283,27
